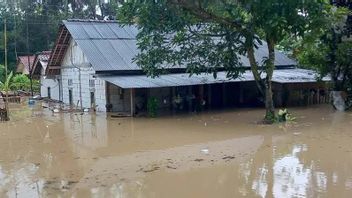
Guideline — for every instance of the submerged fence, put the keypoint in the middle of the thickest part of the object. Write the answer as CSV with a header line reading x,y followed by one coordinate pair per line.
x,y
14,99
3,115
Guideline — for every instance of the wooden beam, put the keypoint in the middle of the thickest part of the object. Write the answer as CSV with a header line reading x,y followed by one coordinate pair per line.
x,y
132,101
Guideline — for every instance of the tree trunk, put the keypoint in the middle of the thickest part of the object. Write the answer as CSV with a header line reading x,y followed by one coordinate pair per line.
x,y
264,85
269,104
269,69
338,100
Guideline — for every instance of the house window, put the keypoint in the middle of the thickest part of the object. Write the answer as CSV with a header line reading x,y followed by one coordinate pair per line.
x,y
121,93
91,83
70,82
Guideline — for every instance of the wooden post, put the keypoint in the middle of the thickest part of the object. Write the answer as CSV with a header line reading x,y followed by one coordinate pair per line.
x,y
209,96
132,101
7,114
318,96
173,96
190,97
224,95
241,94
201,97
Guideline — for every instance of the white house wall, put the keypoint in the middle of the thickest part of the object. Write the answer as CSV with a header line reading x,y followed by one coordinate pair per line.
x,y
45,83
120,99
72,69
78,57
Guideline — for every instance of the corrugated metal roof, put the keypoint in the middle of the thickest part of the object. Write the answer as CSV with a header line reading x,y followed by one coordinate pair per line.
x,y
111,46
41,62
24,64
174,80
296,76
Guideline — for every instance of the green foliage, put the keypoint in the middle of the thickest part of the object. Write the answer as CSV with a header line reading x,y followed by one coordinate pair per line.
x,y
327,50
208,36
152,107
6,84
2,73
211,36
20,82
284,116
43,19
36,86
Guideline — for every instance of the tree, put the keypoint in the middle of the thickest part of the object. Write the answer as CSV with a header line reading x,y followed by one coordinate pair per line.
x,y
42,19
328,51
209,36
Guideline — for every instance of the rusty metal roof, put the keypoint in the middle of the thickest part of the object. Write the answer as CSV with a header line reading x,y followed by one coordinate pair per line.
x,y
24,64
109,46
174,80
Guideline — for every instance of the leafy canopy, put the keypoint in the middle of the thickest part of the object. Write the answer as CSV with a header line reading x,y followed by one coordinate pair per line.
x,y
208,36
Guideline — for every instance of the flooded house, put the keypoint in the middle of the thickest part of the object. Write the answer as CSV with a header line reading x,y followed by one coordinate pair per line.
x,y
49,85
24,64
93,61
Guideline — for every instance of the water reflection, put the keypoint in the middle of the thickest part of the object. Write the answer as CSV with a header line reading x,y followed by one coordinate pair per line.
x,y
291,178
20,183
74,155
88,130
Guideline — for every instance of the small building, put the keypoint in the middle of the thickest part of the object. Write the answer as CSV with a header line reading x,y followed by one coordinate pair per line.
x,y
24,64
93,62
49,85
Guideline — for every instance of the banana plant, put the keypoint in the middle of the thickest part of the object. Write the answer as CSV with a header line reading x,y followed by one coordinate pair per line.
x,y
5,86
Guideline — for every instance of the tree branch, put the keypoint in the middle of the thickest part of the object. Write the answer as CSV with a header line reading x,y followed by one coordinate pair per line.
x,y
204,15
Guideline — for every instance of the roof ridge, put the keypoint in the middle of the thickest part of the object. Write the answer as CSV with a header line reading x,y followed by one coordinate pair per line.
x,y
92,21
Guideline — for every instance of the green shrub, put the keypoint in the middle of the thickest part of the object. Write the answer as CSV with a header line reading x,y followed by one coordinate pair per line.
x,y
284,116
152,107
20,82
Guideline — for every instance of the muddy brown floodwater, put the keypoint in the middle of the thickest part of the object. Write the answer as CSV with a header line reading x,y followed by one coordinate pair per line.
x,y
215,154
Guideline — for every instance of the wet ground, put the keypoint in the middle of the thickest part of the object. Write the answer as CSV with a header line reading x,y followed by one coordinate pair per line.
x,y
217,154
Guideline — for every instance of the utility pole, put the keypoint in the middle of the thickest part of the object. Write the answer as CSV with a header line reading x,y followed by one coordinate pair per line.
x,y
7,91
28,59
66,8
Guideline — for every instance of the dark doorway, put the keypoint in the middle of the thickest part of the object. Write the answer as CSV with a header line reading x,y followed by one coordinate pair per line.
x,y
49,92
70,97
92,99
216,96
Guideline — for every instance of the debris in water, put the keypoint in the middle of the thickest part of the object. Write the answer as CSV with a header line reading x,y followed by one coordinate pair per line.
x,y
170,167
228,157
205,151
56,111
152,169
199,160
297,133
